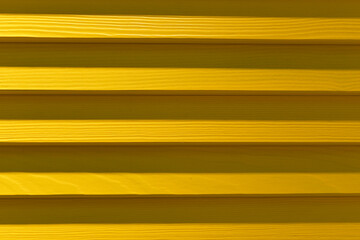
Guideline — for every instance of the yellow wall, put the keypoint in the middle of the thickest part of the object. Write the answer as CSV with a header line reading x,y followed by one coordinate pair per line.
x,y
201,119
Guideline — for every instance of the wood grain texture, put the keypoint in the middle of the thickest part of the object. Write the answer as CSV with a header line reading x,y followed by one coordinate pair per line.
x,y
177,131
180,218
183,29
179,170
82,107
194,231
163,81
85,160
179,69
179,184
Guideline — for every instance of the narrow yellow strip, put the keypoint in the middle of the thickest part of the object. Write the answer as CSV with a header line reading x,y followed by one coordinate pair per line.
x,y
172,80
177,131
181,231
57,27
179,184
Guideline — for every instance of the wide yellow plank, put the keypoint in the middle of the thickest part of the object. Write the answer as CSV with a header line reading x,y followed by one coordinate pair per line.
x,y
180,218
183,29
163,81
179,170
179,69
177,131
179,184
180,107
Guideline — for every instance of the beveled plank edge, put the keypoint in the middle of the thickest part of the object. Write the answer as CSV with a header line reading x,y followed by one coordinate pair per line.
x,y
180,92
172,144
180,41
146,196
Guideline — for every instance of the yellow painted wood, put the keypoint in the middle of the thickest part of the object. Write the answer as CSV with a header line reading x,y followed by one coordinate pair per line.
x,y
71,107
179,170
162,81
177,131
78,164
179,69
179,231
146,28
179,184
180,218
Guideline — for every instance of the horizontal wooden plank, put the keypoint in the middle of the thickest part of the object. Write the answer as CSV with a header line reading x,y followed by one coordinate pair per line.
x,y
177,131
194,231
179,170
162,81
79,107
179,69
176,29
331,231
180,218
179,184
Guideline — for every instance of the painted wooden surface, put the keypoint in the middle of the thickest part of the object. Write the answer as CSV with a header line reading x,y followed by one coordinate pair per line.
x,y
179,69
180,29
180,218
181,21
180,170
177,131
180,119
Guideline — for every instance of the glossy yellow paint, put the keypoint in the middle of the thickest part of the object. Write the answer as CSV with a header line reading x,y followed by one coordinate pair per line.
x,y
184,81
168,69
180,218
180,184
189,138
179,170
179,231
177,131
181,29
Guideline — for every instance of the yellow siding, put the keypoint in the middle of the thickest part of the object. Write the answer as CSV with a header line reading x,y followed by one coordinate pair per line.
x,y
163,29
201,119
180,218
172,69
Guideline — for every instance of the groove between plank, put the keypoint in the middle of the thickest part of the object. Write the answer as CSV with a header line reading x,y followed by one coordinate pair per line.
x,y
98,28
180,210
87,107
264,8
